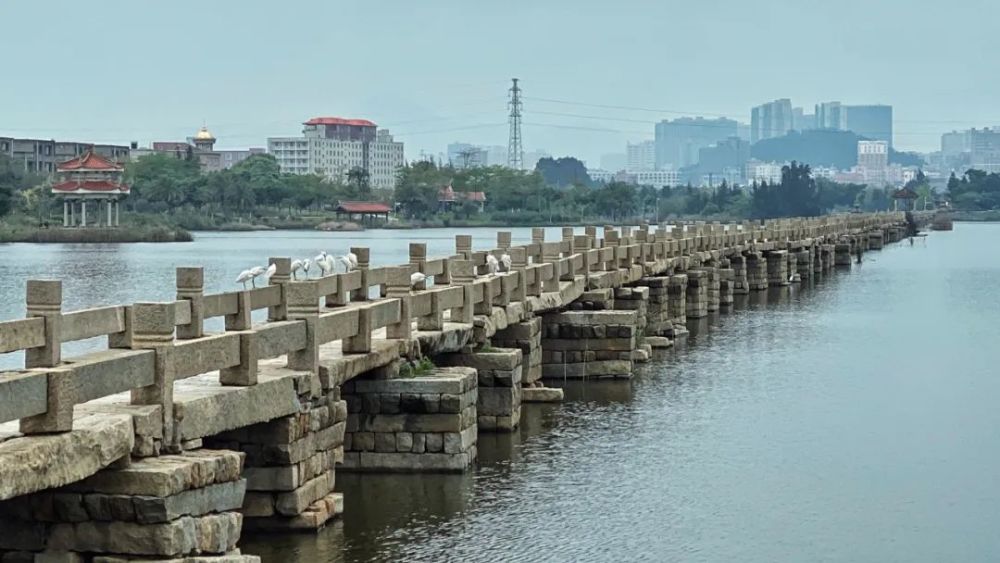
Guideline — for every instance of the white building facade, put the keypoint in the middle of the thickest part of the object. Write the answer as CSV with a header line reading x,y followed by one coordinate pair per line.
x,y
640,156
332,147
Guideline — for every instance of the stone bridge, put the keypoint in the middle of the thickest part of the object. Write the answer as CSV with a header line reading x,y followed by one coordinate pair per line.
x,y
170,441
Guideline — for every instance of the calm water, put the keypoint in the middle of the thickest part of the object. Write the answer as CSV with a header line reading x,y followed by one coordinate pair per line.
x,y
854,420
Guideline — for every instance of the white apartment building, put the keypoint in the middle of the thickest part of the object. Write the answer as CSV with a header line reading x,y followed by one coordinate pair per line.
x,y
640,156
333,146
657,178
758,172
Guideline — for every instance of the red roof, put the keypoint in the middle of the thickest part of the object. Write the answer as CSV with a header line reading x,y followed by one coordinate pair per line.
x,y
90,186
904,193
89,161
362,207
339,121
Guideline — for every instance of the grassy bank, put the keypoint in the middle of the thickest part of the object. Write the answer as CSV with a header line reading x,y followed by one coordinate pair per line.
x,y
24,229
993,215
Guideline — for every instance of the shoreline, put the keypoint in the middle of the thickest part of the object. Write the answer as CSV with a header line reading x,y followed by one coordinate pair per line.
x,y
57,235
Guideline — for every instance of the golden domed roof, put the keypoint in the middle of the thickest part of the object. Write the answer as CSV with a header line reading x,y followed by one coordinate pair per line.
x,y
203,134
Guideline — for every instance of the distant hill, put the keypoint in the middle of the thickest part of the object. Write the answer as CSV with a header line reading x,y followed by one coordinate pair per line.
x,y
821,147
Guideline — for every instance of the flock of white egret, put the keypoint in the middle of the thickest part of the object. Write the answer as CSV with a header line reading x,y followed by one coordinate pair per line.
x,y
329,264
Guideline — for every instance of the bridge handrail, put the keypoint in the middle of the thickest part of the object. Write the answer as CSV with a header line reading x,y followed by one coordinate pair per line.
x,y
151,345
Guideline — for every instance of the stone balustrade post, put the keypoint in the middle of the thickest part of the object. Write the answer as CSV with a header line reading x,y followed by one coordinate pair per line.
x,y
463,273
240,320
282,277
519,264
339,297
60,397
44,299
398,287
191,288
243,374
463,246
537,238
153,329
581,246
567,239
364,264
418,258
503,240
551,253
303,305
361,343
435,320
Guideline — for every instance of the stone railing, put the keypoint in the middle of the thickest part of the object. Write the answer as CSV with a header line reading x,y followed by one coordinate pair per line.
x,y
152,345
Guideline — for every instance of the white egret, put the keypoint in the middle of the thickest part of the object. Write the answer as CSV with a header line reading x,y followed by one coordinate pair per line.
x,y
354,260
322,264
328,264
244,277
492,265
505,261
295,267
344,261
305,266
254,272
416,278
271,269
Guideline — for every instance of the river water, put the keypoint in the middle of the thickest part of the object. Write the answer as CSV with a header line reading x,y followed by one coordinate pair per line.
x,y
854,419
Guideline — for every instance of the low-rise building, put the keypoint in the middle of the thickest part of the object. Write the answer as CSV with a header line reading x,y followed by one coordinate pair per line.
x,y
41,156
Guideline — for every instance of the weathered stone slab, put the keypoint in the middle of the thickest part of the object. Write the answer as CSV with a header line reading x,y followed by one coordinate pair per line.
x,y
213,533
408,462
38,462
219,497
203,407
593,318
612,368
166,475
24,394
541,395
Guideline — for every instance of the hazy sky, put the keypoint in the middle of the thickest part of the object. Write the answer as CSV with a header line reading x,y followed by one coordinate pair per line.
x,y
437,71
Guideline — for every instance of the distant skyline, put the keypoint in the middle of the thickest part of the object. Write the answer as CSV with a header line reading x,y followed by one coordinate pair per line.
x,y
120,71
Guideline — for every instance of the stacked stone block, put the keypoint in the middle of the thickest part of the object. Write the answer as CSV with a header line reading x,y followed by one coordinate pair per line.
x,y
740,284
713,288
677,301
636,299
171,507
804,263
777,268
697,294
290,464
726,276
581,344
793,267
842,254
526,336
425,423
498,407
756,271
658,321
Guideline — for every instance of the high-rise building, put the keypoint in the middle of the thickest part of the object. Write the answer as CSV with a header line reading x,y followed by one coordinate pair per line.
x,y
802,121
955,143
830,115
640,156
984,149
333,146
871,122
678,141
496,155
873,161
731,153
773,119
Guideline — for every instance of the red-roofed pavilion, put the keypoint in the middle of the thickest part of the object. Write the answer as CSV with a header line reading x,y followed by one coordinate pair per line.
x,y
90,178
368,210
